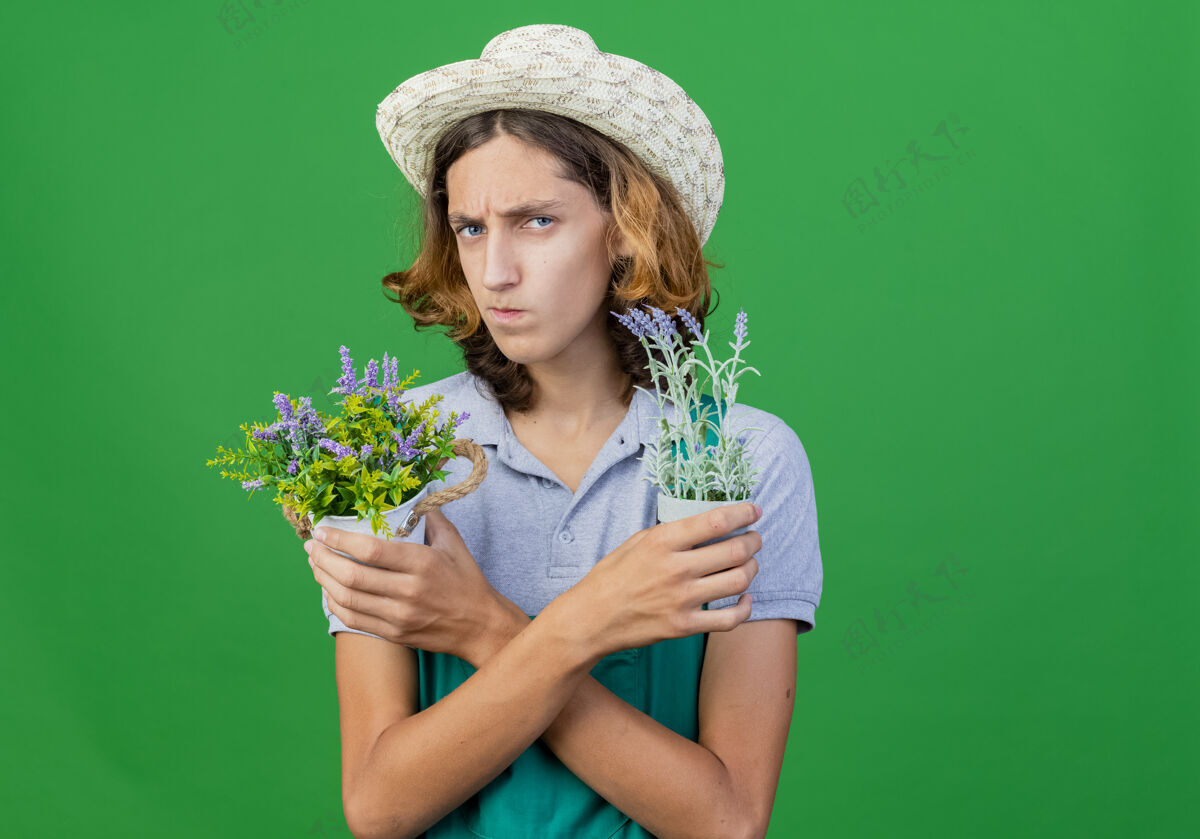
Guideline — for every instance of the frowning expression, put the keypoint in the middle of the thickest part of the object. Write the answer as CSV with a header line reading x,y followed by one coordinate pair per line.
x,y
531,245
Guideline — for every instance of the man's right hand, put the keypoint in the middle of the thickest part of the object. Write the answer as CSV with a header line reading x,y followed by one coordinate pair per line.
x,y
652,588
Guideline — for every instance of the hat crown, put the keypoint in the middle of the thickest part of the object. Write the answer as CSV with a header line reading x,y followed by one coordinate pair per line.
x,y
559,69
539,37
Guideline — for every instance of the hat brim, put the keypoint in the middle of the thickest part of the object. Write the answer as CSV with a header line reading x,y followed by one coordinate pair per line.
x,y
622,98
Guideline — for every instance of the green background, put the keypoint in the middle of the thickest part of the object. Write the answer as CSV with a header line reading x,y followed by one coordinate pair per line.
x,y
991,362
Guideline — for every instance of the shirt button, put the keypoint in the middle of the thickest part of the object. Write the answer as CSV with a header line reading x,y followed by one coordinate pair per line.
x,y
547,483
565,536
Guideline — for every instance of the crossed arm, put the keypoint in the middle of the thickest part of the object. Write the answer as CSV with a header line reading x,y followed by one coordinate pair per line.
x,y
725,784
722,786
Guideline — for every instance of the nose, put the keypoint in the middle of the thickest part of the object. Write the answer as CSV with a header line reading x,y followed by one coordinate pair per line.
x,y
500,261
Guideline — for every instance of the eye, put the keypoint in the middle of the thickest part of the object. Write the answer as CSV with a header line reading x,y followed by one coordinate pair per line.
x,y
535,218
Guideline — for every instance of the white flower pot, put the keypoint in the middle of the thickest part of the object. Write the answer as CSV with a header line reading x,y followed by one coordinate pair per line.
x,y
394,519
673,509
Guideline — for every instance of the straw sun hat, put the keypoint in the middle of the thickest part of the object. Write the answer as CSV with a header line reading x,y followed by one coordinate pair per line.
x,y
559,69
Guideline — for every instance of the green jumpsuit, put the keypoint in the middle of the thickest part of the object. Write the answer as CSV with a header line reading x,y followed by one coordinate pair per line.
x,y
537,795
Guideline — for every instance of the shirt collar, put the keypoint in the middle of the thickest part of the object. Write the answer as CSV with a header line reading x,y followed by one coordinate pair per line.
x,y
488,425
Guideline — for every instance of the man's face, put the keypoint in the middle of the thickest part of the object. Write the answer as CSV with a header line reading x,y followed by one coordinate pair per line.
x,y
532,241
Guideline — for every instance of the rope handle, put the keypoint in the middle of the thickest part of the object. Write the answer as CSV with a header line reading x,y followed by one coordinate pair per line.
x,y
463,447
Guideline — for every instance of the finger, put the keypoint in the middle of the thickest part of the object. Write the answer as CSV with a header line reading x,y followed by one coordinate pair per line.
x,y
440,531
356,600
686,533
350,574
723,584
723,620
365,549
356,544
359,620
728,553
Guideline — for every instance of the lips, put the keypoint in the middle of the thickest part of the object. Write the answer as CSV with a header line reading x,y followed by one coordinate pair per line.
x,y
506,315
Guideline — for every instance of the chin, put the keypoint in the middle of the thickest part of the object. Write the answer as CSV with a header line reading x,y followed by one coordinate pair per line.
x,y
520,353
516,354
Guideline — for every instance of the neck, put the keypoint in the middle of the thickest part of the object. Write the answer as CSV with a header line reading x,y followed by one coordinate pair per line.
x,y
576,393
581,394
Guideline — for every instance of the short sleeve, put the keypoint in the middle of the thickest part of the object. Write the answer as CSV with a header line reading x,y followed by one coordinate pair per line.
x,y
335,623
788,582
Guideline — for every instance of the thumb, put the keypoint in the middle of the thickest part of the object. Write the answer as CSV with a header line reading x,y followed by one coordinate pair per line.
x,y
440,531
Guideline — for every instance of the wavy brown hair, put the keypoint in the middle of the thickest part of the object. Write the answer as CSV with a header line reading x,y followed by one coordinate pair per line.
x,y
667,268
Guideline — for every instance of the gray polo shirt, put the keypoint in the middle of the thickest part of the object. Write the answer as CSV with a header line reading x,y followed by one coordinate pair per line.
x,y
534,539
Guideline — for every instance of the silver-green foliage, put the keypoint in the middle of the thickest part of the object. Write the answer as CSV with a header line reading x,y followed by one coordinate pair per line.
x,y
681,465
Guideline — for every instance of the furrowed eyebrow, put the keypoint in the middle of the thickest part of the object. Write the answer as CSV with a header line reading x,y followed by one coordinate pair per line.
x,y
529,208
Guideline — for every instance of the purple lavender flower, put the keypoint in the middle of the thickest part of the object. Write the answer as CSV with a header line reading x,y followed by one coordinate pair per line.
x,y
644,322
372,373
366,452
639,323
293,466
452,424
417,432
347,382
408,445
393,400
289,422
283,405
308,418
387,372
335,447
255,484
739,326
691,322
629,323
665,326
267,434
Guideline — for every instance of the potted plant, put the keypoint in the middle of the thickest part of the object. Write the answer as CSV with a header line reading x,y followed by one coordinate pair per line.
x,y
698,463
368,470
